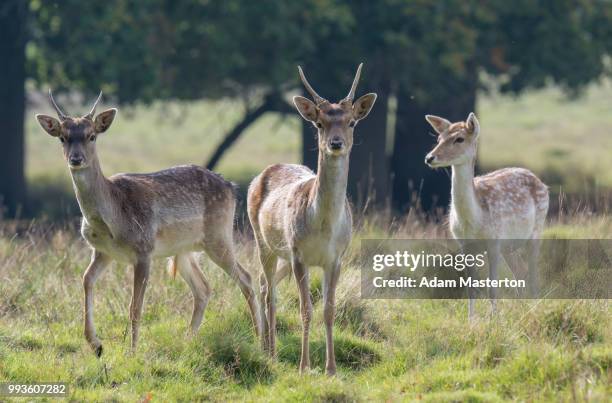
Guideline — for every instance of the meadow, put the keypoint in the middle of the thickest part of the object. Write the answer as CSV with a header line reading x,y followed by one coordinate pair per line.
x,y
406,350
410,350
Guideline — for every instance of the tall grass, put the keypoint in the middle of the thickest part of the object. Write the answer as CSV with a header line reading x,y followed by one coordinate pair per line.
x,y
386,349
411,350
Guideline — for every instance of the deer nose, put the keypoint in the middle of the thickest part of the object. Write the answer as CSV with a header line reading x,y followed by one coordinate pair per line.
x,y
429,159
76,161
336,144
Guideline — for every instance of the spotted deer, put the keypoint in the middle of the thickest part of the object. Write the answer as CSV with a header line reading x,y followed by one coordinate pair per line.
x,y
509,203
302,219
133,218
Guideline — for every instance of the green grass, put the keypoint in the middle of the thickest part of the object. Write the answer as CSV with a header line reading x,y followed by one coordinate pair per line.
x,y
389,350
564,141
407,350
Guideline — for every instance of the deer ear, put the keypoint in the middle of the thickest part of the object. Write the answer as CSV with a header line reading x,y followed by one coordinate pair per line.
x,y
104,119
363,106
472,124
49,124
440,125
306,107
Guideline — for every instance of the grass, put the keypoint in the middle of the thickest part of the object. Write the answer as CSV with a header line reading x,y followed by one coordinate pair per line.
x,y
539,350
562,140
407,350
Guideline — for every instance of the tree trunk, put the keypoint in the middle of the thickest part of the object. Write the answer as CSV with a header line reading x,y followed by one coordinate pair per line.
x,y
369,166
12,106
369,171
310,149
272,103
415,184
234,134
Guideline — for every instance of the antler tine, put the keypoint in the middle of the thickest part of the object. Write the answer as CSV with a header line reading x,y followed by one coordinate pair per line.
x,y
90,115
317,98
351,94
60,113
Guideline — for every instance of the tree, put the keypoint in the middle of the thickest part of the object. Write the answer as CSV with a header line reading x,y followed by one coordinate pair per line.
x,y
13,17
522,44
429,56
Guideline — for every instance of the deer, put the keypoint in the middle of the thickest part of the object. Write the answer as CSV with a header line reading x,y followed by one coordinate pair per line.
x,y
509,203
135,218
302,219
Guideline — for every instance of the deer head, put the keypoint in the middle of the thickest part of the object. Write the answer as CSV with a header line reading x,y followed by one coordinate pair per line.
x,y
77,134
334,121
457,142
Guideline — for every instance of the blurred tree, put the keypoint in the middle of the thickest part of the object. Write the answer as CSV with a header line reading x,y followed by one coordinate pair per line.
x,y
429,56
173,50
13,15
435,54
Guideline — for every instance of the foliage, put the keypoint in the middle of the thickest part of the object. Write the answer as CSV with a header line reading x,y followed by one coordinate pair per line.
x,y
194,49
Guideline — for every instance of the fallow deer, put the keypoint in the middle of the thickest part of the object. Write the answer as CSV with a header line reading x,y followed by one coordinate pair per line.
x,y
133,218
509,203
303,219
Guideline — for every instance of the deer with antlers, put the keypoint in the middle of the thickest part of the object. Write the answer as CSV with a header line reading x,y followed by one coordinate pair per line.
x,y
509,203
133,218
303,219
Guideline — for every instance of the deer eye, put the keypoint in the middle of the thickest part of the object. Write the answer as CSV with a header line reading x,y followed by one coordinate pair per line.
x,y
319,125
92,138
352,123
459,140
62,140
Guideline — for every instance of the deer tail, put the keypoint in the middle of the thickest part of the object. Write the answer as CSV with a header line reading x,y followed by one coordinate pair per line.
x,y
172,266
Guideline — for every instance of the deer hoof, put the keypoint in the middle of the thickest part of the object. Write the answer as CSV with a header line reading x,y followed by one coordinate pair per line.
x,y
98,351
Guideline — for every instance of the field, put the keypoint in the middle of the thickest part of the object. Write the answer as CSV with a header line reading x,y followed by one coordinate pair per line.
x,y
540,350
411,350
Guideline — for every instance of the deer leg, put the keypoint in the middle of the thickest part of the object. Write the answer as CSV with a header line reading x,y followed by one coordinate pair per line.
x,y
517,266
265,327
283,269
533,277
471,291
97,265
301,277
200,288
516,263
141,278
222,253
330,282
494,258
268,302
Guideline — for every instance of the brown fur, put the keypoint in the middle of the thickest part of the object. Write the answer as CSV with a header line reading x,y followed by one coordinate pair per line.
x,y
509,203
133,218
302,219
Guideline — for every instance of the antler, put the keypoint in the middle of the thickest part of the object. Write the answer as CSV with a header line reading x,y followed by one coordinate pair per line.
x,y
317,98
90,115
351,94
61,114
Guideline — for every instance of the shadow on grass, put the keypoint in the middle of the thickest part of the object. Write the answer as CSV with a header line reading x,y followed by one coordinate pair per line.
x,y
228,343
51,200
352,354
573,323
470,396
353,315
